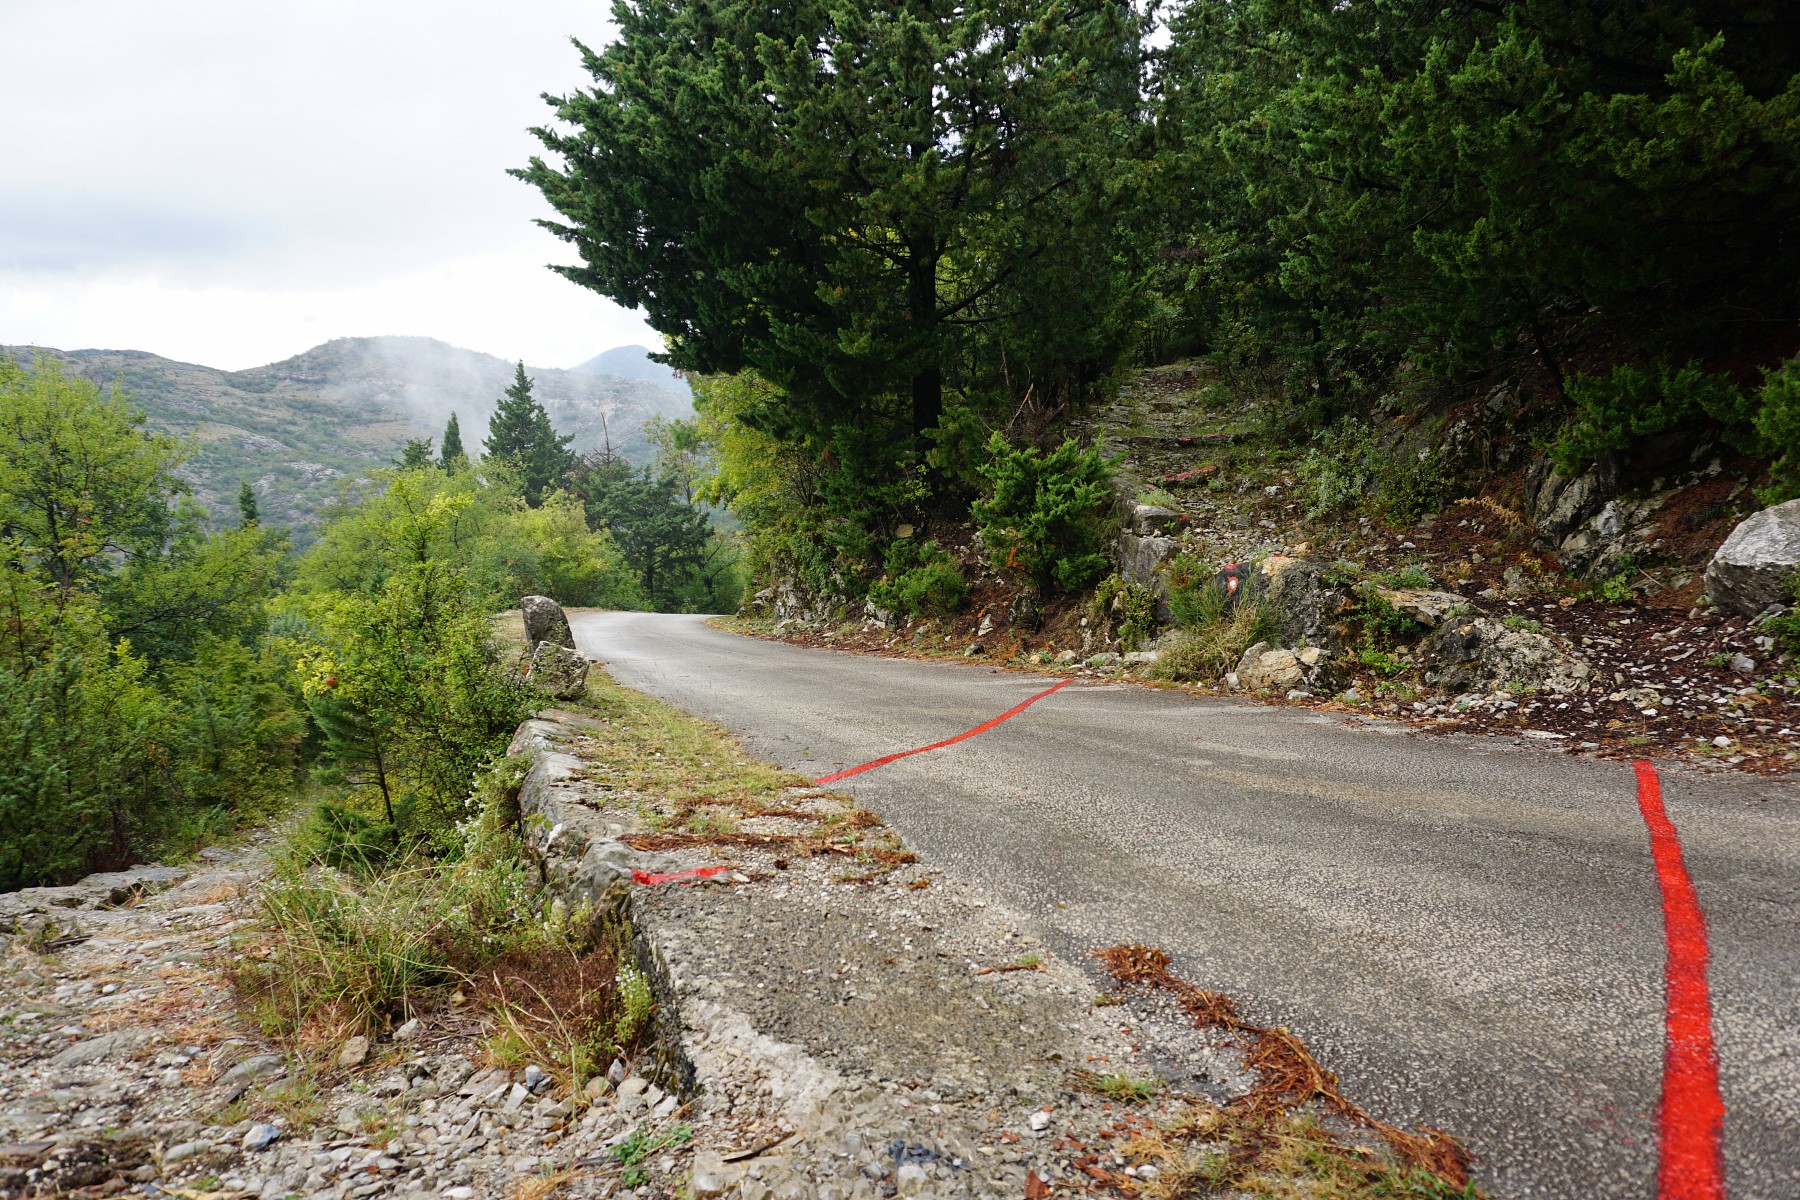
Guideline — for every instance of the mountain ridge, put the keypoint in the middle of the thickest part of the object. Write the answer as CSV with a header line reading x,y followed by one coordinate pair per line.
x,y
296,429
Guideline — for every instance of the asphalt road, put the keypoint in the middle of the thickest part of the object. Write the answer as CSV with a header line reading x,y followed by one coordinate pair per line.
x,y
1469,932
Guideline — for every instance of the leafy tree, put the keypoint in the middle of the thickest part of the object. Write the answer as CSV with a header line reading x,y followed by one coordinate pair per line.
x,y
844,196
417,687
520,433
357,744
453,456
82,484
248,513
134,707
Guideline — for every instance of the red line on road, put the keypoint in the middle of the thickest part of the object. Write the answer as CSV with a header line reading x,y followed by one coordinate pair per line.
x,y
1692,1164
883,761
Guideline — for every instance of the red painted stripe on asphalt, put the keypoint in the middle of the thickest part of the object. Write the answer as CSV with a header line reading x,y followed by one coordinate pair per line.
x,y
883,761
1692,1115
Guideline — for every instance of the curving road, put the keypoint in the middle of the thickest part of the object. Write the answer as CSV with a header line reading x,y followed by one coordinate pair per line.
x,y
1469,932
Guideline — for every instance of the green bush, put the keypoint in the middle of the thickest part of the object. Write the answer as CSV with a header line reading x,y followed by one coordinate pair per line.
x,y
1047,517
1348,468
1778,424
1133,606
922,579
1614,410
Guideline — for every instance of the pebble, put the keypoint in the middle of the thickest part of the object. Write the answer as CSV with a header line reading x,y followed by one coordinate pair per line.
x,y
261,1136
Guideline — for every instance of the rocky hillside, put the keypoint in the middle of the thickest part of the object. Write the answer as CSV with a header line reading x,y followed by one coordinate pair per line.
x,y
295,428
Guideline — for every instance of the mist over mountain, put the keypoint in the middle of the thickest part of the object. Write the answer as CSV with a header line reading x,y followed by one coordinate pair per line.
x,y
297,428
633,362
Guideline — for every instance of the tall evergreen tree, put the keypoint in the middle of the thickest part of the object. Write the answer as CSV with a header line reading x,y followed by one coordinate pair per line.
x,y
874,206
248,514
453,455
520,433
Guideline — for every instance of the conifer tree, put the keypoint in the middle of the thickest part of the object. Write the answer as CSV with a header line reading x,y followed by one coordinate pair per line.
x,y
247,510
520,432
416,454
867,204
453,455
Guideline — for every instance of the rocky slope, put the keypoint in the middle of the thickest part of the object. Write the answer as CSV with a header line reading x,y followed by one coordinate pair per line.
x,y
295,428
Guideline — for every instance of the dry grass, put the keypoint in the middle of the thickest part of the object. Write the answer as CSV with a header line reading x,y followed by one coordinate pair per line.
x,y
540,1187
1266,1140
1210,651
693,784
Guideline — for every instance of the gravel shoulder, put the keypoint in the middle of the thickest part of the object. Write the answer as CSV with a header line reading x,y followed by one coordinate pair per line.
x,y
839,1021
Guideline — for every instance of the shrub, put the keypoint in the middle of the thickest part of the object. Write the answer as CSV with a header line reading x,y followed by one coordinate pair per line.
x,y
1047,517
1209,651
1133,604
1614,410
1348,468
922,579
1778,424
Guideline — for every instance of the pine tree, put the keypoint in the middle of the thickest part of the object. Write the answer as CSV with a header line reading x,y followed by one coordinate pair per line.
x,y
869,205
416,455
453,455
247,511
355,750
520,432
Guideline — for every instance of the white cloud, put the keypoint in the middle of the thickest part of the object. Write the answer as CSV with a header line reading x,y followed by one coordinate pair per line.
x,y
230,183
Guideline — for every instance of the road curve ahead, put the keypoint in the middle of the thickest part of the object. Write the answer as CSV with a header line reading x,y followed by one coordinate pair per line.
x,y
1469,932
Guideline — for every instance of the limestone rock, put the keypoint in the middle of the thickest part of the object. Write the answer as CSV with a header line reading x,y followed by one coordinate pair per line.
x,y
1428,608
1271,668
1307,608
354,1053
559,671
1485,655
1751,570
545,622
1139,557
1153,520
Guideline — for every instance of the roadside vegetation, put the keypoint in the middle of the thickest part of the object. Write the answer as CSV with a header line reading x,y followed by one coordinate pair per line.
x,y
1366,220
168,675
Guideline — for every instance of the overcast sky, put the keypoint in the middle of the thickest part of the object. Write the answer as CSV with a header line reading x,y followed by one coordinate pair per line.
x,y
229,183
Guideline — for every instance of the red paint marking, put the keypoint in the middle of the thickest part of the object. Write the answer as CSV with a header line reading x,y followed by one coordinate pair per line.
x,y
883,761
653,877
1692,1165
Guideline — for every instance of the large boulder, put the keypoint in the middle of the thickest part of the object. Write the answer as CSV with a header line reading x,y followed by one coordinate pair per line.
x,y
1428,608
1755,565
559,671
1485,655
1140,557
545,622
1307,609
1265,668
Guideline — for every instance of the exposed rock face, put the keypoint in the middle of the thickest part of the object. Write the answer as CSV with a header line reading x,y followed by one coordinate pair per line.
x,y
1307,607
545,622
1484,655
1139,557
1751,570
1265,668
1428,608
47,909
1153,520
559,671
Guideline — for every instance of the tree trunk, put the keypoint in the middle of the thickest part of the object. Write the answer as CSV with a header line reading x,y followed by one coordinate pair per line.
x,y
928,379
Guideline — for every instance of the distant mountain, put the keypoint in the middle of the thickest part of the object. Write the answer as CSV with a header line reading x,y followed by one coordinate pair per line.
x,y
296,428
633,362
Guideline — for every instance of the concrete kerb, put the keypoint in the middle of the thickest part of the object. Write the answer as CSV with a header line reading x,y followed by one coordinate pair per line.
x,y
585,862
